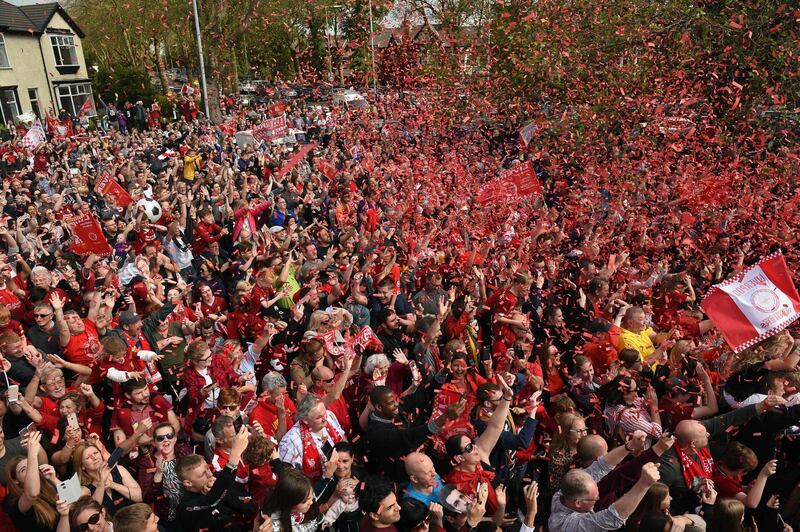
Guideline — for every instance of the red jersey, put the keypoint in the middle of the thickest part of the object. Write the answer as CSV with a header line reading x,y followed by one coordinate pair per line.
x,y
267,415
125,418
83,348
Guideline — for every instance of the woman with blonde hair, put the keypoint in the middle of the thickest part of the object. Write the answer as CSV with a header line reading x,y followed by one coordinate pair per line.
x,y
564,446
748,383
112,487
31,499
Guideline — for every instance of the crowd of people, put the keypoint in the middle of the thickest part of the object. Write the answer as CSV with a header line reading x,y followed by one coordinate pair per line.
x,y
349,340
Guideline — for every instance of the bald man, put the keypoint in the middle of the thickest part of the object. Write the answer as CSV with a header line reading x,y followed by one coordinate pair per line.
x,y
691,443
621,479
426,485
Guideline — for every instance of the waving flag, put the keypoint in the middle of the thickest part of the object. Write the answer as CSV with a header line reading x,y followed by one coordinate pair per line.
x,y
34,136
755,304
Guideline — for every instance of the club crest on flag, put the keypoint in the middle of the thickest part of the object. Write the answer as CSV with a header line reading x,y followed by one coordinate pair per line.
x,y
755,304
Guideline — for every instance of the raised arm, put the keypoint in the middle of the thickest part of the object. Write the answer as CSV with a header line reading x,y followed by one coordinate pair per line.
x,y
61,324
32,486
488,439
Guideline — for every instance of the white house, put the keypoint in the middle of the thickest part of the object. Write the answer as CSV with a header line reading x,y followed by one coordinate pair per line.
x,y
41,62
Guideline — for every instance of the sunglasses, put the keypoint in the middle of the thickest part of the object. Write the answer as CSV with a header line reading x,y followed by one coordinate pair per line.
x,y
41,315
93,520
467,448
164,437
327,381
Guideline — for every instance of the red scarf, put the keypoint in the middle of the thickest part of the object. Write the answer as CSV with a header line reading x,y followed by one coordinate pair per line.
x,y
692,471
312,461
467,483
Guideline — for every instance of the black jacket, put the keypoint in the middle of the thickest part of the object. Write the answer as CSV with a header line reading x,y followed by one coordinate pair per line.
x,y
215,510
389,441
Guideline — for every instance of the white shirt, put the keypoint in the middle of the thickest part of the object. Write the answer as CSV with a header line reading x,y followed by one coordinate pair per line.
x,y
290,449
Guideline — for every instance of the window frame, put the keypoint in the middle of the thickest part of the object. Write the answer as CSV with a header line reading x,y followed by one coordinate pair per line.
x,y
55,45
3,118
72,93
5,53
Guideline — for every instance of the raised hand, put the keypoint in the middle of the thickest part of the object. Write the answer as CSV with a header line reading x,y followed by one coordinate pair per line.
x,y
400,356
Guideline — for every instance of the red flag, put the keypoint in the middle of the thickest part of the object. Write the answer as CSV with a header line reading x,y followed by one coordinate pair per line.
x,y
755,304
88,237
296,158
108,186
276,108
59,129
86,108
327,169
517,182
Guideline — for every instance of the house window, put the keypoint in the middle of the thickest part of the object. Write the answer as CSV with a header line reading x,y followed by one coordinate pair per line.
x,y
64,50
3,54
73,97
33,96
9,104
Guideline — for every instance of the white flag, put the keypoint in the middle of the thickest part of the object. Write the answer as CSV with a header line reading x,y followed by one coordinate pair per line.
x,y
34,136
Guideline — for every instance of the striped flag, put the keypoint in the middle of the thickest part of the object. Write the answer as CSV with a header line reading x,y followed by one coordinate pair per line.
x,y
34,136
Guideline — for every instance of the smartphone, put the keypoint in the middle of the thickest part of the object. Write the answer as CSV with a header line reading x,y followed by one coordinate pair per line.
x,y
24,432
415,375
13,393
72,420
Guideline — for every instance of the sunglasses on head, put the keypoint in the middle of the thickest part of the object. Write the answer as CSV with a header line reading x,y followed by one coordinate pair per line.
x,y
93,520
164,437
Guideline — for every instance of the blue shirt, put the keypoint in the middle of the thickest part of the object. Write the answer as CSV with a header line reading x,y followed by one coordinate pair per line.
x,y
425,498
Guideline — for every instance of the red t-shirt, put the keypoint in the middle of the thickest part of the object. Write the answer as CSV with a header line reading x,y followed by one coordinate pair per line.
x,y
725,485
125,417
83,348
14,304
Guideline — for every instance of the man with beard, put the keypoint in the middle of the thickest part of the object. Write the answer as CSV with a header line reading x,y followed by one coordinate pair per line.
x,y
391,333
140,405
208,502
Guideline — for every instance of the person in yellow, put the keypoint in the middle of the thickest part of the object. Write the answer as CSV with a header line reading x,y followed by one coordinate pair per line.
x,y
191,163
637,335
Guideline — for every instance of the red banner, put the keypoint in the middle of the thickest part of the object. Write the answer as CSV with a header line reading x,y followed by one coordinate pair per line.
x,y
277,108
272,128
108,186
755,304
515,183
365,337
87,236
295,159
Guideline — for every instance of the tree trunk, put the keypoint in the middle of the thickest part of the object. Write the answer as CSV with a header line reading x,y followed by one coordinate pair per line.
x,y
214,74
158,61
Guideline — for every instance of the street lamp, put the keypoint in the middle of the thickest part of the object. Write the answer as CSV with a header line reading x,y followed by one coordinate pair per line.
x,y
372,50
200,55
